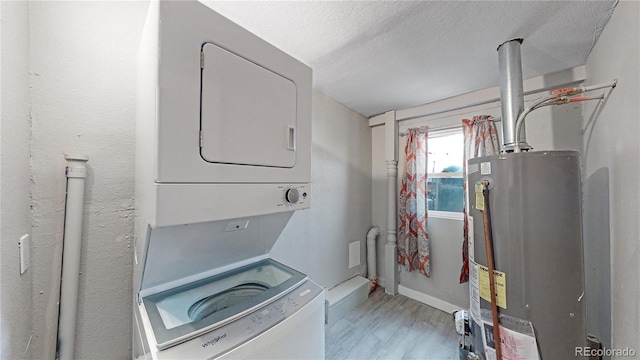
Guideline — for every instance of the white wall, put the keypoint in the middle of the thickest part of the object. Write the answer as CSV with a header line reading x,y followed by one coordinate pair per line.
x,y
316,240
612,175
15,179
83,64
550,128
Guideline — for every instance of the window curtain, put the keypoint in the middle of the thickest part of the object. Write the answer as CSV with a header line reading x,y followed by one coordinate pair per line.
x,y
413,239
480,139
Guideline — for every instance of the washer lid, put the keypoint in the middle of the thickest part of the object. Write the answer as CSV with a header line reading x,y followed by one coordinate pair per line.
x,y
181,313
175,255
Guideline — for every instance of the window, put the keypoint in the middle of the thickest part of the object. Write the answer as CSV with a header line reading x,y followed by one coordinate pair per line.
x,y
445,195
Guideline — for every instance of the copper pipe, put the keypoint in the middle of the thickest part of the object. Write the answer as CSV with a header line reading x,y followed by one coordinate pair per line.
x,y
559,97
488,241
579,90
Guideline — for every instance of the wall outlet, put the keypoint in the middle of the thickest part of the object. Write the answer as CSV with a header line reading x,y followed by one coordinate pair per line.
x,y
354,254
25,252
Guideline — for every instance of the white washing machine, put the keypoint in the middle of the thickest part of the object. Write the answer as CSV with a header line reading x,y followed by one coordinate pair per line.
x,y
262,310
210,290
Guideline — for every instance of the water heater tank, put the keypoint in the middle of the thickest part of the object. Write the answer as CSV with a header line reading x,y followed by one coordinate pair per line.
x,y
535,205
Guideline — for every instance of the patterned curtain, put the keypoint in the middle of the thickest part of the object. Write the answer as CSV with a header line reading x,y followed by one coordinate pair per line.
x,y
480,139
413,239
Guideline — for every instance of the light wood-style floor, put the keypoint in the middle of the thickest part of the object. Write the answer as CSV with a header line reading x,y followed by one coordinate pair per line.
x,y
392,328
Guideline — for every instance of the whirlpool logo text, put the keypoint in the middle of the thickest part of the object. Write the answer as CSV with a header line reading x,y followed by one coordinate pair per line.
x,y
214,340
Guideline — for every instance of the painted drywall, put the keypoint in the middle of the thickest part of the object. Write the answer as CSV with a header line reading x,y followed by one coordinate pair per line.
x,y
83,66
15,180
612,174
550,128
316,241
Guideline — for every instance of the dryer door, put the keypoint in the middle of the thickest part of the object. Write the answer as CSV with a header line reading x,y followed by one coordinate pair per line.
x,y
248,113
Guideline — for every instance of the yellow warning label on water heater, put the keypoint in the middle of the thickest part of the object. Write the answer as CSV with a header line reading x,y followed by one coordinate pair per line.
x,y
501,285
479,196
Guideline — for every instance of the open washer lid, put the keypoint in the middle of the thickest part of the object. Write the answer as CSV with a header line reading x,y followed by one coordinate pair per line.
x,y
180,254
181,313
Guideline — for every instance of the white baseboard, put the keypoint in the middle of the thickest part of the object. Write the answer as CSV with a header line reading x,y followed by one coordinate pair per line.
x,y
427,299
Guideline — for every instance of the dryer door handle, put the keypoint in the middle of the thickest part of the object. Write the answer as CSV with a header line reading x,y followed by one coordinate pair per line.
x,y
291,138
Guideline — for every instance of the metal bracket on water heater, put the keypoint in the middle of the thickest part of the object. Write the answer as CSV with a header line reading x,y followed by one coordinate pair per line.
x,y
489,181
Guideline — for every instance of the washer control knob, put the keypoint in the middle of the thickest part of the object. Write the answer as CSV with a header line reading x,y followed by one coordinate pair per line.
x,y
292,196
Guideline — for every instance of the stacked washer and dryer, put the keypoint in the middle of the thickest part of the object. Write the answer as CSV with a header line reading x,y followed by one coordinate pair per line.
x,y
223,159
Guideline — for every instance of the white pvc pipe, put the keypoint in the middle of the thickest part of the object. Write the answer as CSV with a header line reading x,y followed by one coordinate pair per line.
x,y
391,247
76,173
372,234
372,275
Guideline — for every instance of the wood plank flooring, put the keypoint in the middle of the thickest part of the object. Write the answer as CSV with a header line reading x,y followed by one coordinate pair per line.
x,y
392,328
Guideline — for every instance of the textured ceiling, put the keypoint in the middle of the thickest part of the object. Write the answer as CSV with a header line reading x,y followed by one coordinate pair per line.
x,y
375,56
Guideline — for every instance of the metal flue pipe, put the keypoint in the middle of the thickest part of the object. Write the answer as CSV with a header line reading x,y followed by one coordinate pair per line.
x,y
511,93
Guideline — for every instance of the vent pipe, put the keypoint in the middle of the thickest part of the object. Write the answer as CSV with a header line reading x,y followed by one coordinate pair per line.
x,y
511,93
71,249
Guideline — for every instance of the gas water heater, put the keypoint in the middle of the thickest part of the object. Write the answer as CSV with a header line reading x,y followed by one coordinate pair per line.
x,y
534,199
537,243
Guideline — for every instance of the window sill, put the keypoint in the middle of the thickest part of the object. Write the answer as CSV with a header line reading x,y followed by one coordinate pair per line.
x,y
450,215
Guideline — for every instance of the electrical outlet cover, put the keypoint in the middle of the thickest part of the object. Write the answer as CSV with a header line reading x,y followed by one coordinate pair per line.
x,y
25,254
